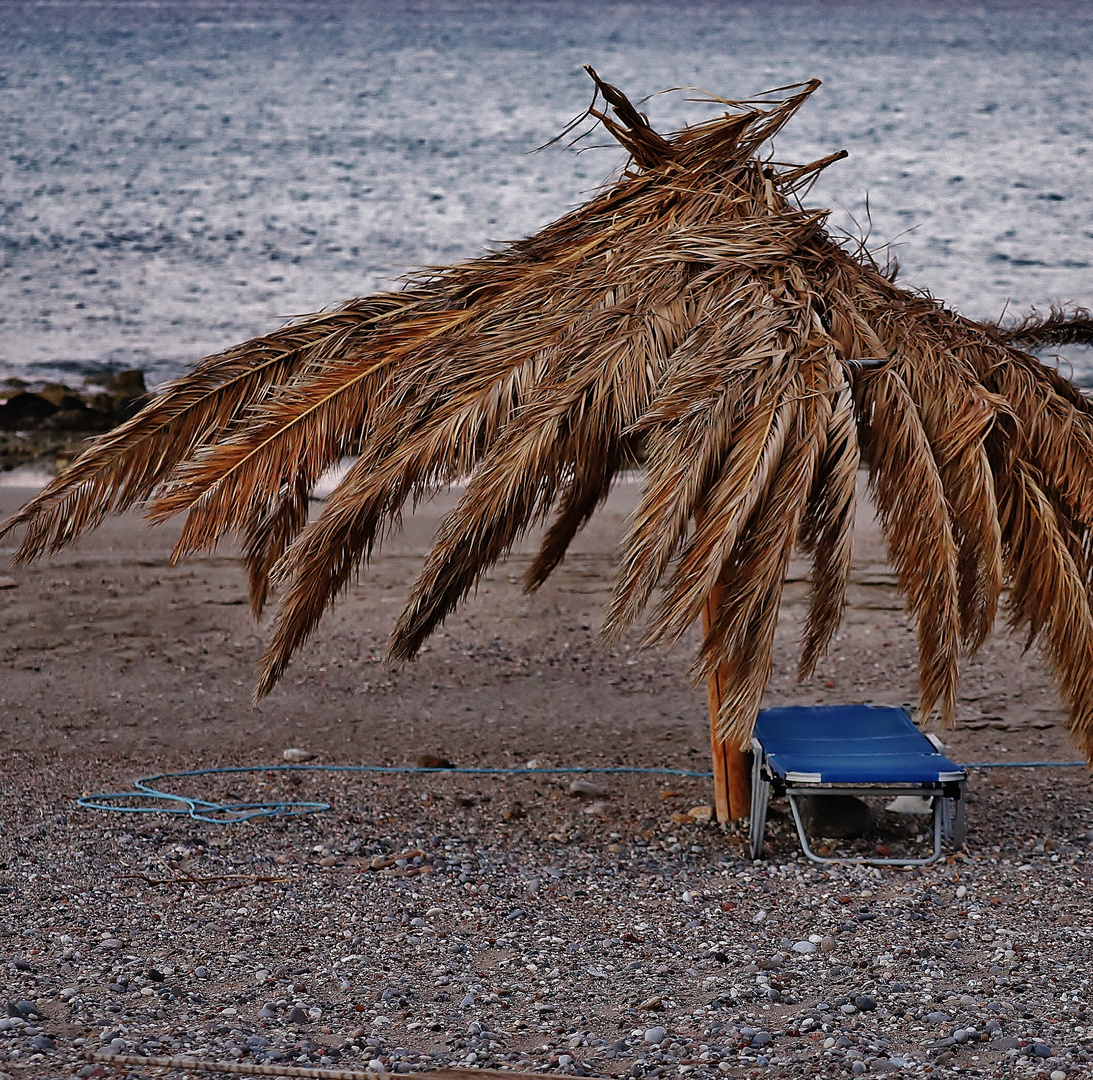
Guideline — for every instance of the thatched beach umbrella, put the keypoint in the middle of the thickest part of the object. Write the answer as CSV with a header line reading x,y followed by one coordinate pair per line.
x,y
692,316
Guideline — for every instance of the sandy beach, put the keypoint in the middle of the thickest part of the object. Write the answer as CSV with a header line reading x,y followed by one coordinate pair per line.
x,y
480,920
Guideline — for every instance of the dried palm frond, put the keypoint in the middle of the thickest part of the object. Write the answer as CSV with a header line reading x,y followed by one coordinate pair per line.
x,y
1059,328
693,316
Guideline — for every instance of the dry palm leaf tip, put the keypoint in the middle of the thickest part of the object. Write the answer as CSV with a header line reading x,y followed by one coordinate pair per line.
x,y
693,317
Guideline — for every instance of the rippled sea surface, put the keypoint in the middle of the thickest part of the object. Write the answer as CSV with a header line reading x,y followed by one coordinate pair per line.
x,y
176,177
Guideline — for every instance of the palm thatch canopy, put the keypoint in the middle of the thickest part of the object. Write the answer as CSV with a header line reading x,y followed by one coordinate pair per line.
x,y
694,316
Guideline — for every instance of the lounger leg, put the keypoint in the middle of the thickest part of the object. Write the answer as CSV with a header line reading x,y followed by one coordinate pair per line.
x,y
939,827
803,836
955,822
760,798
813,857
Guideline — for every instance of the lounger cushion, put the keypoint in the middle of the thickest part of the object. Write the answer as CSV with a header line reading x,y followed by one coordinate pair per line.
x,y
850,744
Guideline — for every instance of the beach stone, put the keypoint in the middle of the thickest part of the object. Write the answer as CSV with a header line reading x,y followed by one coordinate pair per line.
x,y
828,944
296,755
655,1035
761,1038
848,1009
937,1018
126,385
433,761
865,1003
805,947
585,789
297,1015
41,1043
7,582
201,973
25,410
1040,1050
267,1012
1058,1074
842,817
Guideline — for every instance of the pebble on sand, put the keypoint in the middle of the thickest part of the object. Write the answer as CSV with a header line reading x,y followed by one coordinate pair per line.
x,y
585,789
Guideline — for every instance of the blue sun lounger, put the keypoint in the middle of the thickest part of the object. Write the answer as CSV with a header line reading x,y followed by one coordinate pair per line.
x,y
852,750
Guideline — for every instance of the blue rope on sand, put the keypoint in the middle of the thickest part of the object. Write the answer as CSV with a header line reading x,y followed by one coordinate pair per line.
x,y
230,813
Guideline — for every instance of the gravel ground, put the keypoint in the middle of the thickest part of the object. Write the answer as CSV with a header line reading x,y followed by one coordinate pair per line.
x,y
430,938
499,921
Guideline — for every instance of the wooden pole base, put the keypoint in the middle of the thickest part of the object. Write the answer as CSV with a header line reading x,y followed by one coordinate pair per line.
x,y
731,765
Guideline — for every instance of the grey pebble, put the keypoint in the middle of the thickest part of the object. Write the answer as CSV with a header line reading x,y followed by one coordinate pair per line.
x,y
937,1018
585,789
201,973
297,1016
655,1035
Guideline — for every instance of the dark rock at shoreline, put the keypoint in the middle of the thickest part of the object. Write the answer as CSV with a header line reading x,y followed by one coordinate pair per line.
x,y
59,409
50,424
25,410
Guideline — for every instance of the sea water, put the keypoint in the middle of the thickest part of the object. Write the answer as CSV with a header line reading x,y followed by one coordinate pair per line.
x,y
177,177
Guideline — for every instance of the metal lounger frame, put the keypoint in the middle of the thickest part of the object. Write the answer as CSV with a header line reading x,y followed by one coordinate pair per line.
x,y
948,810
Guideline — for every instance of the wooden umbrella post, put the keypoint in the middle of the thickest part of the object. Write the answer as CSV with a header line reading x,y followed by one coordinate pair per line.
x,y
731,765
